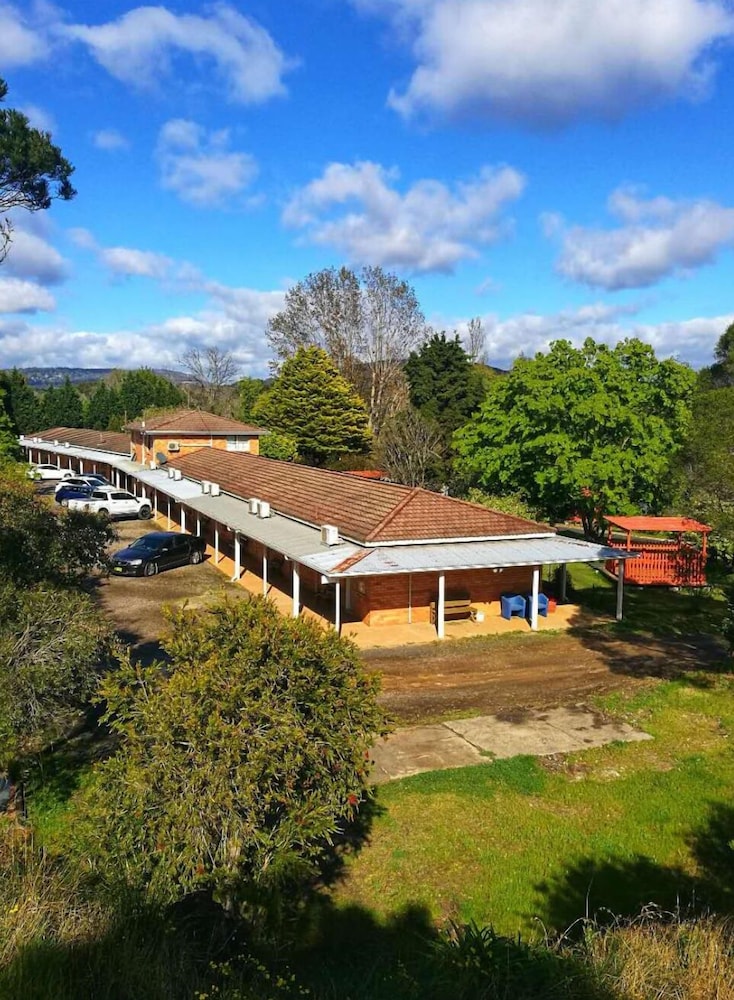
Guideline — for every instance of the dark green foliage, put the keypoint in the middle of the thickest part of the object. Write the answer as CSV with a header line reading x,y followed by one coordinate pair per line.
x,y
53,641
249,390
509,503
278,445
706,467
239,763
313,404
38,544
9,449
445,386
142,389
32,169
102,407
591,430
23,405
63,406
720,375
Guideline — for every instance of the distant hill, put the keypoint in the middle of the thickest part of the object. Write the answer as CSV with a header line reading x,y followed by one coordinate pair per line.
x,y
44,378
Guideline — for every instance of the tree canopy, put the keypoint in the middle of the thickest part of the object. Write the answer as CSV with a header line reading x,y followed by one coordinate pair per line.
x,y
444,384
143,389
367,322
589,430
720,374
240,761
33,170
314,405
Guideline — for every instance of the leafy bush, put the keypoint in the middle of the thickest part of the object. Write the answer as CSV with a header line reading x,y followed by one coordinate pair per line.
x,y
240,763
509,503
280,446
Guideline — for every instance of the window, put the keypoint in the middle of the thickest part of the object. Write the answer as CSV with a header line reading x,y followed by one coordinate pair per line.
x,y
238,444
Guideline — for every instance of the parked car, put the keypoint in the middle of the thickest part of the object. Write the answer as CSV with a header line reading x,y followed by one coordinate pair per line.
x,y
63,493
156,551
113,503
92,481
44,470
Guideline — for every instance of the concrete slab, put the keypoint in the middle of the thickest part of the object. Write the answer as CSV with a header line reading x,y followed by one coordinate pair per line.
x,y
464,742
422,748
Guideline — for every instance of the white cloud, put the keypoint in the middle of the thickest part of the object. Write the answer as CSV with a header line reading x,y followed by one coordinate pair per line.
x,y
428,228
128,262
18,296
690,340
21,41
658,237
39,117
110,140
547,64
32,256
141,47
199,167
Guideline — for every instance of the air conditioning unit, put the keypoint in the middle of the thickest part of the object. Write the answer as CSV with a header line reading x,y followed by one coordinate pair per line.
x,y
253,505
153,465
205,486
66,444
170,473
329,534
216,489
263,509
56,443
174,446
177,474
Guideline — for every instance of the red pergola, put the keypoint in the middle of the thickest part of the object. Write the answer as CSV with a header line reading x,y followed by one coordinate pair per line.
x,y
666,562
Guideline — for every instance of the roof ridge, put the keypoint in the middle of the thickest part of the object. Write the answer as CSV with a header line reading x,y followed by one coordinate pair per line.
x,y
401,505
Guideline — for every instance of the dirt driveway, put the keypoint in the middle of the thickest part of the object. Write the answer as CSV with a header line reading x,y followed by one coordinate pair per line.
x,y
135,604
442,679
474,677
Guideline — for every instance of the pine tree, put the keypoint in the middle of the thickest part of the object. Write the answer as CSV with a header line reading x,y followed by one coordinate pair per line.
x,y
143,389
444,384
24,406
311,402
102,406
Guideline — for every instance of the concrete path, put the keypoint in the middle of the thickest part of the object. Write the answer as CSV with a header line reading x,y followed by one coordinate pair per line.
x,y
477,741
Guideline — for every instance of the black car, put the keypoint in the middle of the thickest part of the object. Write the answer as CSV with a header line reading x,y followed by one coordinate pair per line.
x,y
156,551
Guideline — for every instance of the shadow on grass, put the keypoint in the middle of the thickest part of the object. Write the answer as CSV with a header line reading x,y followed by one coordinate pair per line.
x,y
603,890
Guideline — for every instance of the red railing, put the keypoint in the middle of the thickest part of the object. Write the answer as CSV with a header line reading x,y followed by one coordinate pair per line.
x,y
663,564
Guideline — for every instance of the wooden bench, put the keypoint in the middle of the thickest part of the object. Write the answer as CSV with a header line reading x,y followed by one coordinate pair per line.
x,y
456,606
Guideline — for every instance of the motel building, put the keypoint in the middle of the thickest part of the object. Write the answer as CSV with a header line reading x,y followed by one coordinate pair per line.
x,y
381,562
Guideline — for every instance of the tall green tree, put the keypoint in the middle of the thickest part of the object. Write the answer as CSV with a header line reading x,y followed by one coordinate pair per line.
x,y
720,374
239,762
142,389
591,430
102,407
23,405
314,405
63,406
444,384
249,390
9,450
33,170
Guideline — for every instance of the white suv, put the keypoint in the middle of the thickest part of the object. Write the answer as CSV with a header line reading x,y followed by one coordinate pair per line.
x,y
111,502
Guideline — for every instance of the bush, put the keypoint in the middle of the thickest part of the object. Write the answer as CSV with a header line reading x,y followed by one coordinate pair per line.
x,y
239,764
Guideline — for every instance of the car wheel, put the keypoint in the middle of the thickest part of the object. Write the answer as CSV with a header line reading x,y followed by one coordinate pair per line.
x,y
196,557
103,512
145,513
64,503
150,569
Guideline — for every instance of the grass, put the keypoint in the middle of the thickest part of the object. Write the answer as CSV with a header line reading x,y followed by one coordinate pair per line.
x,y
656,610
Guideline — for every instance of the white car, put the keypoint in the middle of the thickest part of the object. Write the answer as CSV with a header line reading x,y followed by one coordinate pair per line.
x,y
47,471
113,503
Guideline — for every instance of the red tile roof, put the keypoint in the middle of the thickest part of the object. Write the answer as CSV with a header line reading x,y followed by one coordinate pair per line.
x,y
80,437
193,422
363,510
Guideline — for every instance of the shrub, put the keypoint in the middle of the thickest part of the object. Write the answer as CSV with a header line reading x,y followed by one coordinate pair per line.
x,y
240,763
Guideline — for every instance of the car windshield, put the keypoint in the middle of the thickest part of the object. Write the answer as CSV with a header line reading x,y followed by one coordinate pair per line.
x,y
147,542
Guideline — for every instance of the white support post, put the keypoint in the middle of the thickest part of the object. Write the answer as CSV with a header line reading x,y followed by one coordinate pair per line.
x,y
534,600
295,610
564,583
168,503
117,479
237,557
81,467
216,544
620,588
183,519
441,605
155,503
198,524
265,571
337,607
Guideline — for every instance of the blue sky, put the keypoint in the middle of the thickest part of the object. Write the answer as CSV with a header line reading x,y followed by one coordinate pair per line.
x,y
558,170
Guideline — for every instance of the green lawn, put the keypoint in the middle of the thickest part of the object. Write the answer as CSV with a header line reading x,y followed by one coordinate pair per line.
x,y
513,842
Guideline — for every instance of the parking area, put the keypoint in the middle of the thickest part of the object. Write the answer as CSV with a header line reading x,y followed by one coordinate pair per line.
x,y
135,604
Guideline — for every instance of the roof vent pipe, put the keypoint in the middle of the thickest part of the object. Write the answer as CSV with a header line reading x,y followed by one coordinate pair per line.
x,y
216,489
263,509
253,504
56,442
177,474
153,465
171,472
205,486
